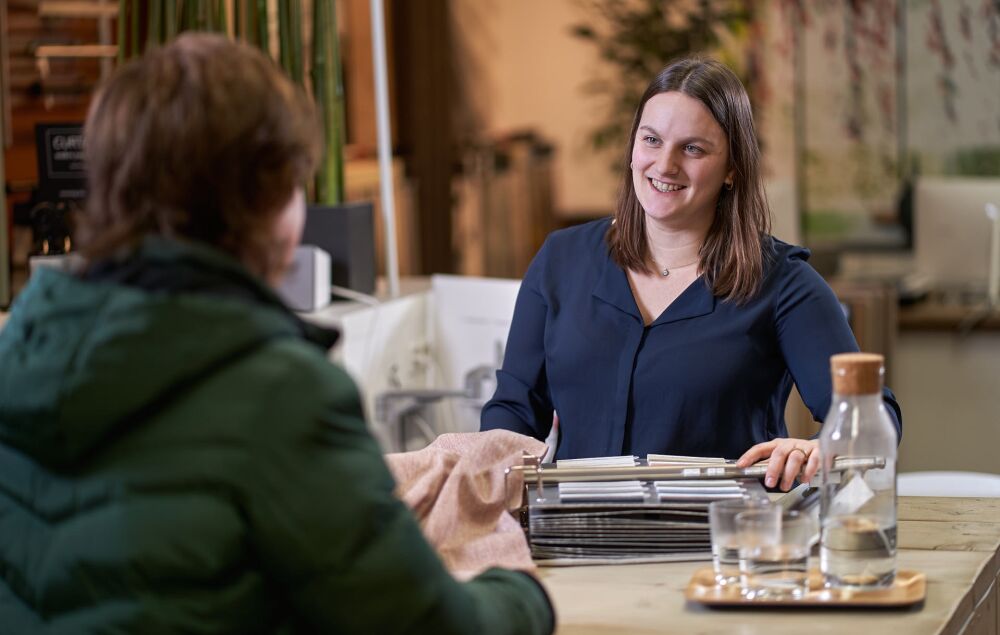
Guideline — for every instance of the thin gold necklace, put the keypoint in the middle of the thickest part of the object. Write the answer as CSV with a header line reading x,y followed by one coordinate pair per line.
x,y
665,271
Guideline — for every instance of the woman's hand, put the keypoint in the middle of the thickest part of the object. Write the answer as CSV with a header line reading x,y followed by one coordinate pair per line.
x,y
787,456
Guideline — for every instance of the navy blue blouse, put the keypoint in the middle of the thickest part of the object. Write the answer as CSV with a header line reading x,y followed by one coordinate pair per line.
x,y
706,378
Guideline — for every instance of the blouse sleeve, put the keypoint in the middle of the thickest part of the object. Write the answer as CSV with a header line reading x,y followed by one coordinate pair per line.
x,y
811,326
521,402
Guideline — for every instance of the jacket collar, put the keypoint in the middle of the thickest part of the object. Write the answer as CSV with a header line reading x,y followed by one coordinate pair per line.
x,y
171,266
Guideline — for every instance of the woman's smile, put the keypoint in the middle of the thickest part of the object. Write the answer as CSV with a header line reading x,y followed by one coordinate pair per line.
x,y
664,187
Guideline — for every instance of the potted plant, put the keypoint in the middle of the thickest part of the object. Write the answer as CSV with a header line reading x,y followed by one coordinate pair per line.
x,y
344,230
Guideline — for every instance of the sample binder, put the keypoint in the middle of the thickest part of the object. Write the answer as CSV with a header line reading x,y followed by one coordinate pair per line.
x,y
613,510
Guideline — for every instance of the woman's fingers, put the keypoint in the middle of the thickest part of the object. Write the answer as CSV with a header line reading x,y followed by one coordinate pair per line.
x,y
776,465
788,459
812,465
794,460
756,453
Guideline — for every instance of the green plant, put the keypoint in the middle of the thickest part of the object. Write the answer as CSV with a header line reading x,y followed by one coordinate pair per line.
x,y
146,23
328,90
976,161
639,38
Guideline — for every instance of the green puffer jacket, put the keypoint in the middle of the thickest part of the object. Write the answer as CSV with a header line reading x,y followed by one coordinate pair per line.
x,y
177,455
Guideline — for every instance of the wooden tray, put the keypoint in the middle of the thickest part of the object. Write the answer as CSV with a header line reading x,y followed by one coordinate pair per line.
x,y
910,587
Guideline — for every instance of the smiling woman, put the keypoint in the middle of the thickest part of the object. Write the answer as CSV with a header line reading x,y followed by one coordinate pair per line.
x,y
680,325
680,161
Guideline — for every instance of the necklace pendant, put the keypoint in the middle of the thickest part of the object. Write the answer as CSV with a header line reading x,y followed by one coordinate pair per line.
x,y
665,272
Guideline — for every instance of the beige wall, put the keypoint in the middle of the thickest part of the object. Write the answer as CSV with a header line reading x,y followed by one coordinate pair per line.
x,y
521,68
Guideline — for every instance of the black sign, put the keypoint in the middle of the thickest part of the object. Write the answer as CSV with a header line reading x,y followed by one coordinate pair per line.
x,y
61,174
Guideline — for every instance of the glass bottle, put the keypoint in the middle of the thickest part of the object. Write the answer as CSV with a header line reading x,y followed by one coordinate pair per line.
x,y
858,504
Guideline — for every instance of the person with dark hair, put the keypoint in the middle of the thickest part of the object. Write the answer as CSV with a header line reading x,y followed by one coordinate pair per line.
x,y
177,455
678,325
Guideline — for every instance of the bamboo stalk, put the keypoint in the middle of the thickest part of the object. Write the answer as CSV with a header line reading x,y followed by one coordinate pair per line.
x,y
250,22
154,31
285,36
336,148
239,20
218,9
321,95
263,41
202,17
295,40
229,18
170,18
186,19
328,94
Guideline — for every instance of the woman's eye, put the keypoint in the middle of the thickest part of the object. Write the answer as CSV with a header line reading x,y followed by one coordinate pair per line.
x,y
693,149
651,140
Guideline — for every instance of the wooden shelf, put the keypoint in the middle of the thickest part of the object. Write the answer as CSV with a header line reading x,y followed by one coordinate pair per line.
x,y
78,9
934,316
76,50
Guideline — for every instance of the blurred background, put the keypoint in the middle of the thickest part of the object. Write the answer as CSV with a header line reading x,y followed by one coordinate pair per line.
x,y
879,121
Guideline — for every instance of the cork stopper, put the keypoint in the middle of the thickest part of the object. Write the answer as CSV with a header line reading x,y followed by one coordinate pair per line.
x,y
857,373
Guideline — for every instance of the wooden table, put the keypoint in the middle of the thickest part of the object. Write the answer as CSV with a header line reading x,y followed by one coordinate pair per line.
x,y
955,541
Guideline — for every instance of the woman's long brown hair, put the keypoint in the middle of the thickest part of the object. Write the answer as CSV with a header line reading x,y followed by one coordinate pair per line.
x,y
733,256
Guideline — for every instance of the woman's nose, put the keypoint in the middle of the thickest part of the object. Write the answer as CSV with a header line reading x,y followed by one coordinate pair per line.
x,y
666,163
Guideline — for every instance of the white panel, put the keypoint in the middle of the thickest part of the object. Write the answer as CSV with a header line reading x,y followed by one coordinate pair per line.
x,y
951,230
471,319
384,347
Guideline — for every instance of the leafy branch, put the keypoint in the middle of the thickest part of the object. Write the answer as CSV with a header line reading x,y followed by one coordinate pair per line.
x,y
640,37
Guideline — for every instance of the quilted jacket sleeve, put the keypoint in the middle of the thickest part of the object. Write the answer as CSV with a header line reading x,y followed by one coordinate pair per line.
x,y
350,556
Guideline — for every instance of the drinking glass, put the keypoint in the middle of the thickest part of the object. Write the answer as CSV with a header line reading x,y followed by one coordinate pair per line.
x,y
774,554
725,538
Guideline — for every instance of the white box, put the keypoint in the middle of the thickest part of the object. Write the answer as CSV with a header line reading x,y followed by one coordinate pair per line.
x,y
306,287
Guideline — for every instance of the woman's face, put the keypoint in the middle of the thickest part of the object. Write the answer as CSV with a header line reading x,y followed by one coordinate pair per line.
x,y
288,232
680,161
